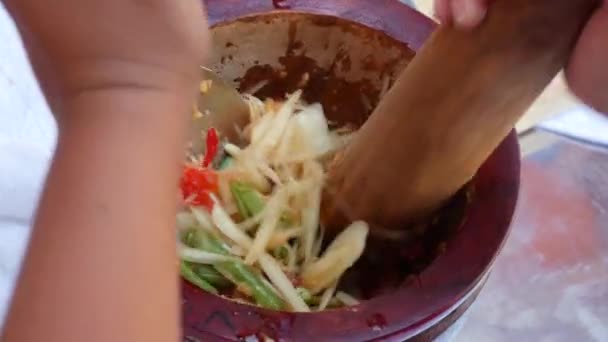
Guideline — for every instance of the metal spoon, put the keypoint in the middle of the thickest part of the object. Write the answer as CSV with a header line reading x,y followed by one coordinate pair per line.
x,y
220,106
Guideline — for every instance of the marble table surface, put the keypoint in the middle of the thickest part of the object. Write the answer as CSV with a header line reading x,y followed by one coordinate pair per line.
x,y
550,282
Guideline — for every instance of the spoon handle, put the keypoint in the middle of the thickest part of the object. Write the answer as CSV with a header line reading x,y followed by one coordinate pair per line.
x,y
448,111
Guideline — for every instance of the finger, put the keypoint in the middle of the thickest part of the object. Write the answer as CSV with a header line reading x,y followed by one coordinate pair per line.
x,y
587,74
443,11
467,14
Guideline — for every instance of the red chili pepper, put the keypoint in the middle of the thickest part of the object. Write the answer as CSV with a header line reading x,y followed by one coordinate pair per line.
x,y
198,184
211,144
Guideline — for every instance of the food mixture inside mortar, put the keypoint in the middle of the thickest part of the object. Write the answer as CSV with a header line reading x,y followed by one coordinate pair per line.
x,y
250,229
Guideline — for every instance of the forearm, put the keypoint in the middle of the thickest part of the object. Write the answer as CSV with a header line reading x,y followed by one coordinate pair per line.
x,y
104,236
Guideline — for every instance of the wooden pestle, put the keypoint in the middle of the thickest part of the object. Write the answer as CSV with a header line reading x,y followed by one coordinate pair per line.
x,y
452,106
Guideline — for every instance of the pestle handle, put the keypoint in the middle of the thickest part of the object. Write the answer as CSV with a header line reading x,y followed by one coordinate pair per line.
x,y
449,110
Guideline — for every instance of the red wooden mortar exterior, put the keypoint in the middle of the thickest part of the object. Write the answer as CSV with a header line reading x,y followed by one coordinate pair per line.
x,y
451,276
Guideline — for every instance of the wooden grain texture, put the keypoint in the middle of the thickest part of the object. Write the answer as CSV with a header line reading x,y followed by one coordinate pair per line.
x,y
450,109
554,100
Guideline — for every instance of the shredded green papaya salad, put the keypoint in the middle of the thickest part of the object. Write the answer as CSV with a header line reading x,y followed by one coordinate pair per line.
x,y
249,225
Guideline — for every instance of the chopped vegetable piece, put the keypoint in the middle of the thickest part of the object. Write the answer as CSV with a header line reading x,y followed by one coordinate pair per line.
x,y
286,220
202,218
310,222
196,113
212,143
243,276
184,221
253,227
226,225
206,242
346,298
197,185
202,257
205,85
337,258
333,303
232,149
267,227
251,222
282,283
326,297
203,248
210,275
305,295
248,200
278,124
226,163
282,236
281,252
313,126
248,282
189,238
190,276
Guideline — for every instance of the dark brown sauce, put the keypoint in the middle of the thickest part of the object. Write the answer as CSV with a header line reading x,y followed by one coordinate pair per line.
x,y
389,264
341,100
344,102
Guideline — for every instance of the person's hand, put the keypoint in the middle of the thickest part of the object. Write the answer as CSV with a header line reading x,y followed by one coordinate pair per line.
x,y
121,77
586,73
82,45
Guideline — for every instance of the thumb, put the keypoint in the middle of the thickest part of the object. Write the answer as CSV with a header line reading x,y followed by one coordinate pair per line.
x,y
464,14
468,13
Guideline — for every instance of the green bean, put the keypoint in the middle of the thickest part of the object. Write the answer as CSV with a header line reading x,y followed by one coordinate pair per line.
x,y
281,253
286,220
248,201
243,276
306,296
210,243
225,163
189,237
210,275
190,276
195,239
333,303
251,284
